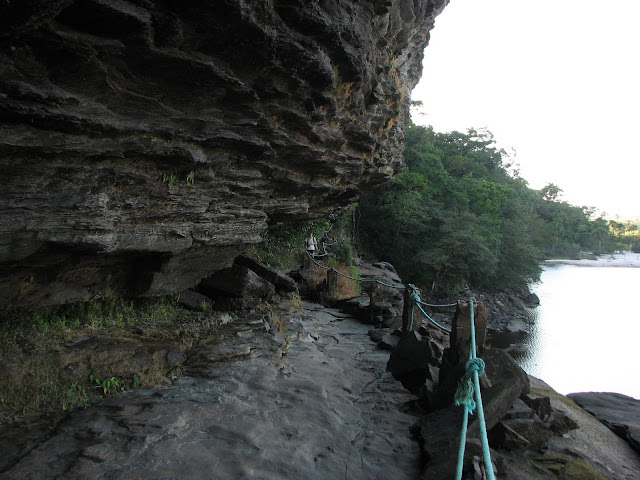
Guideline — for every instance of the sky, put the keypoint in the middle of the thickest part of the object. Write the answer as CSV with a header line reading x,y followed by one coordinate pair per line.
x,y
557,82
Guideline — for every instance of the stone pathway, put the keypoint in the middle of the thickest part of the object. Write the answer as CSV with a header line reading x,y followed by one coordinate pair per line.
x,y
312,401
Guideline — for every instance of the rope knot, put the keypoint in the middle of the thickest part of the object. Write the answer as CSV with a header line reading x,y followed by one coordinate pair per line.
x,y
474,365
465,391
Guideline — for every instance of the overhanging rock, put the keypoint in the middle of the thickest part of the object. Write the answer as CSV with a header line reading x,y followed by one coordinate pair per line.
x,y
145,143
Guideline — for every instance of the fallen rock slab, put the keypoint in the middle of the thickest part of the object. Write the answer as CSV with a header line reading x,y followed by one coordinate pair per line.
x,y
280,281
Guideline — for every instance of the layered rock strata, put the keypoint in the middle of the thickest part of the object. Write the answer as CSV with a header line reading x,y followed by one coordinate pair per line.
x,y
144,143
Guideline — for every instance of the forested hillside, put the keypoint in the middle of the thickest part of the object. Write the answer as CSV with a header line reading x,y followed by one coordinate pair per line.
x,y
460,214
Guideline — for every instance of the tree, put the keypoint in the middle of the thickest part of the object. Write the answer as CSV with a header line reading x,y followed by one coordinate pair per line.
x,y
551,192
459,216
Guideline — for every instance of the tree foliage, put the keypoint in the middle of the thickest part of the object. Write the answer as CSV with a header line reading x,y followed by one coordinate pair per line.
x,y
458,215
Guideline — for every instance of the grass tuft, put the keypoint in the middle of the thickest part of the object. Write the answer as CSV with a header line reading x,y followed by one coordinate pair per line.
x,y
32,339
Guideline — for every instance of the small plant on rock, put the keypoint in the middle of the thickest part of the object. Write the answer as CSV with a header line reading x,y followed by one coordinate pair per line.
x,y
169,179
107,384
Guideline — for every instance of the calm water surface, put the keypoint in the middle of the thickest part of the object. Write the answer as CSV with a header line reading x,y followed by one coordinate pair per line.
x,y
585,335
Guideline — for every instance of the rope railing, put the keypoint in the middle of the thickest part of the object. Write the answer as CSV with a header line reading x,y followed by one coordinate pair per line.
x,y
361,280
435,324
468,392
415,300
470,385
433,305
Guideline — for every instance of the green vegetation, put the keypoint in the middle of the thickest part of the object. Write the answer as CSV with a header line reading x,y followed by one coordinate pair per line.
x,y
460,215
169,178
111,384
31,342
57,322
284,247
284,244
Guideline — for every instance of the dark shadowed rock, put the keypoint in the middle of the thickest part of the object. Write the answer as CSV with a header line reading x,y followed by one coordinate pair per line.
x,y
539,403
378,333
618,412
389,342
236,287
414,360
194,301
278,280
532,300
145,143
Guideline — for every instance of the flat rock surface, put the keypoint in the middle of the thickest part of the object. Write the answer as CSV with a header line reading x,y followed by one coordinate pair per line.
x,y
312,401
620,413
615,457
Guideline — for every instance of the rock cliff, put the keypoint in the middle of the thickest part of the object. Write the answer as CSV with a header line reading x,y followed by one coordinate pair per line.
x,y
145,143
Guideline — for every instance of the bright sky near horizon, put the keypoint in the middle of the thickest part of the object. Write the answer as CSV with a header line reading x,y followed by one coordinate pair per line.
x,y
559,84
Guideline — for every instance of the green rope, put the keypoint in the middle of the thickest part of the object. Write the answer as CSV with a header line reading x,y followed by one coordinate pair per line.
x,y
435,324
465,392
433,305
470,385
415,301
365,280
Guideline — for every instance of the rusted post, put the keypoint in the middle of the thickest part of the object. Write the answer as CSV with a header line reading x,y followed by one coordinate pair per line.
x,y
460,338
406,313
332,282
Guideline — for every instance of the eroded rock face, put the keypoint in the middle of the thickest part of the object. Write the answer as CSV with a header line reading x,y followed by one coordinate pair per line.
x,y
144,143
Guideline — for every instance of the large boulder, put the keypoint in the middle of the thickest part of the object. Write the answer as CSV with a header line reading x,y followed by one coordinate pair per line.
x,y
620,413
415,361
144,144
236,287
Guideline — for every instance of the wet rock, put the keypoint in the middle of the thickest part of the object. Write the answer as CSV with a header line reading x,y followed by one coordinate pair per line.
x,y
357,306
516,325
394,323
560,423
620,413
385,266
522,428
533,431
382,271
532,300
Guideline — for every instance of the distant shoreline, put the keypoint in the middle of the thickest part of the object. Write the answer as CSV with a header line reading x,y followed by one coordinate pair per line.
x,y
626,259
